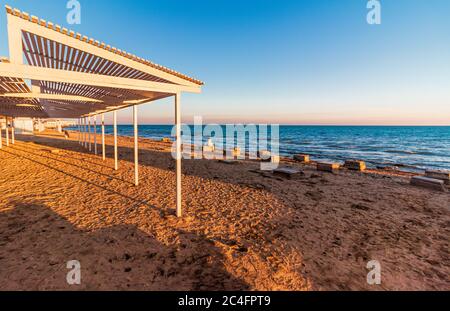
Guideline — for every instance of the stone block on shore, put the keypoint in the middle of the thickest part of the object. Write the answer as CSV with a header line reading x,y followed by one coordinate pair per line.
x,y
267,156
328,167
166,140
441,175
303,158
287,172
429,183
355,165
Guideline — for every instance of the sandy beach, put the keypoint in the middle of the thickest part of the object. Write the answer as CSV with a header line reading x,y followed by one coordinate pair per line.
x,y
242,230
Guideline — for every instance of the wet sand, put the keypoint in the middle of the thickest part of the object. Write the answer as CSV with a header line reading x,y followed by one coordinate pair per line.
x,y
242,230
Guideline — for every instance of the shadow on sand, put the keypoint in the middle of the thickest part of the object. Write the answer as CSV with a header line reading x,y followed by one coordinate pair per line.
x,y
36,243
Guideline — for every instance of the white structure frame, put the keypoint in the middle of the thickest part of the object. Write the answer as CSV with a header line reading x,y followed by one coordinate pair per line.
x,y
73,76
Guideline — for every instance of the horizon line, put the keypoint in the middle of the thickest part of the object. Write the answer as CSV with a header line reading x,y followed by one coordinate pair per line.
x,y
331,125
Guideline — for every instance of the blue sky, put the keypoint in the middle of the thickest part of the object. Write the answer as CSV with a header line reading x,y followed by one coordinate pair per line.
x,y
281,61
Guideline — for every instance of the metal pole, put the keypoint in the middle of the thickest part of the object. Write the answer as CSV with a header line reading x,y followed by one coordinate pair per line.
x,y
89,133
178,155
95,135
103,138
82,131
7,132
136,145
79,131
85,132
13,134
116,163
1,137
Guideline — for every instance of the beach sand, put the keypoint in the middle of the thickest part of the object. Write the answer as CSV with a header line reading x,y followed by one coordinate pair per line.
x,y
242,230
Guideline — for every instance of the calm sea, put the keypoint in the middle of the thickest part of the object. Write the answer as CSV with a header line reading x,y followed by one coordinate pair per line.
x,y
409,147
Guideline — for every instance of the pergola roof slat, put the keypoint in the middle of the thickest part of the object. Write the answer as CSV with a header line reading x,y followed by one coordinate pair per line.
x,y
73,75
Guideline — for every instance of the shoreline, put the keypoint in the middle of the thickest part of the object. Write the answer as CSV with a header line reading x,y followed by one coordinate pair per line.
x,y
242,230
373,165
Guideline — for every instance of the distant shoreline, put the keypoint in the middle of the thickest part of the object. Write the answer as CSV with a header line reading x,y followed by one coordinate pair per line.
x,y
411,148
287,125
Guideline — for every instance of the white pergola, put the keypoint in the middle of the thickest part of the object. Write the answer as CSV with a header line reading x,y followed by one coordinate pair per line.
x,y
56,73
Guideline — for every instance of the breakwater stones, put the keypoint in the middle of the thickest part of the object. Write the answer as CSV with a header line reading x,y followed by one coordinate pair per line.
x,y
441,175
287,172
328,167
355,165
429,183
303,158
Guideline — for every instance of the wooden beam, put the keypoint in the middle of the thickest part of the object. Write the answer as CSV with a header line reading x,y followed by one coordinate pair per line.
x,y
51,96
14,40
163,95
15,22
73,77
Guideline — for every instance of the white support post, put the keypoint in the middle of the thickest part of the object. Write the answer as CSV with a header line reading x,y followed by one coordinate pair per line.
x,y
89,133
84,133
13,134
103,138
7,133
79,131
136,145
95,135
178,153
116,162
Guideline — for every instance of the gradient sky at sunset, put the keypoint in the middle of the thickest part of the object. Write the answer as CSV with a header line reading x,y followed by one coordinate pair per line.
x,y
288,62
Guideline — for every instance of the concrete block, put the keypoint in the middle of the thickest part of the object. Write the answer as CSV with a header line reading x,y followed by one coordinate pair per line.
x,y
441,175
355,165
304,158
328,167
287,172
429,183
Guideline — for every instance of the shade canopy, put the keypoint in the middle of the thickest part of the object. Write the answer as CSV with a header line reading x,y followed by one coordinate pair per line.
x,y
56,73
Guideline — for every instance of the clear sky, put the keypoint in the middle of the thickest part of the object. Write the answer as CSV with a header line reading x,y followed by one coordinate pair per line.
x,y
281,61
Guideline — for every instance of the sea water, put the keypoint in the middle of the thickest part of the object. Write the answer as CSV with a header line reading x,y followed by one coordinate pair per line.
x,y
408,147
